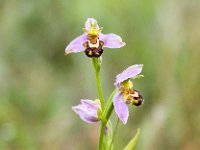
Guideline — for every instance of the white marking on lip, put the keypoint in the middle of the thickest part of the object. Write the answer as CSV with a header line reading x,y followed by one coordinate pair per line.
x,y
136,94
94,45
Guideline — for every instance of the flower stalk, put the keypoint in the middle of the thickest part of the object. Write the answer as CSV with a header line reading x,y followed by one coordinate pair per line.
x,y
106,115
97,65
101,136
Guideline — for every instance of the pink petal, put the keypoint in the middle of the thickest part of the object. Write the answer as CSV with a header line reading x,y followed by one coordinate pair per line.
x,y
111,40
91,103
87,110
120,107
76,45
130,72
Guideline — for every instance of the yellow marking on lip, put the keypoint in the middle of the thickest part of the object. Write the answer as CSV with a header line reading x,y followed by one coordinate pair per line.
x,y
127,84
90,53
92,31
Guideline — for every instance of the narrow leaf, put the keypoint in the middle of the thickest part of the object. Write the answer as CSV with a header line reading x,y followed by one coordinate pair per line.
x,y
132,143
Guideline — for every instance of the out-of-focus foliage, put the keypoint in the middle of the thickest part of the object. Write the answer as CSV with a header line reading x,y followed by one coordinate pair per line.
x,y
38,84
131,145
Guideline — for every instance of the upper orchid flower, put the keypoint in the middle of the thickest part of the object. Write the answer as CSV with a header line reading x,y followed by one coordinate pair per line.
x,y
93,41
88,110
125,94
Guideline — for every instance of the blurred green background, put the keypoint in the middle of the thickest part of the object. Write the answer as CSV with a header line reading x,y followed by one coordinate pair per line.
x,y
39,84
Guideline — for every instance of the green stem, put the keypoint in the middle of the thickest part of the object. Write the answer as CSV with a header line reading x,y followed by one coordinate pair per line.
x,y
102,131
106,115
100,93
97,65
109,107
114,134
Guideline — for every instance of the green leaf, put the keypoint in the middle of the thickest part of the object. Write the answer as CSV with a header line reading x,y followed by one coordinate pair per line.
x,y
132,143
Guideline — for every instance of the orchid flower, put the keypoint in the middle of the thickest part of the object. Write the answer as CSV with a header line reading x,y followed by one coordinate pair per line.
x,y
125,94
93,41
88,110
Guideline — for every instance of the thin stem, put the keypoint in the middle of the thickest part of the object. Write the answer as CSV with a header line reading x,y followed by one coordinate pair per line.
x,y
100,93
97,65
102,132
114,134
109,107
106,115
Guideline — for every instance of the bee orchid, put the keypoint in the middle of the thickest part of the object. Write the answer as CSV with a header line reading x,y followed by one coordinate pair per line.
x,y
93,41
125,94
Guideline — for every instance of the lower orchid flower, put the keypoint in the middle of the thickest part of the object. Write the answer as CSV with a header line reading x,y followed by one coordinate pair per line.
x,y
93,41
88,110
126,94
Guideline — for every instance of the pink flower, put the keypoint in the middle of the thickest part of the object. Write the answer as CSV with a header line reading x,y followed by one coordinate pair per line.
x,y
125,94
87,110
93,41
